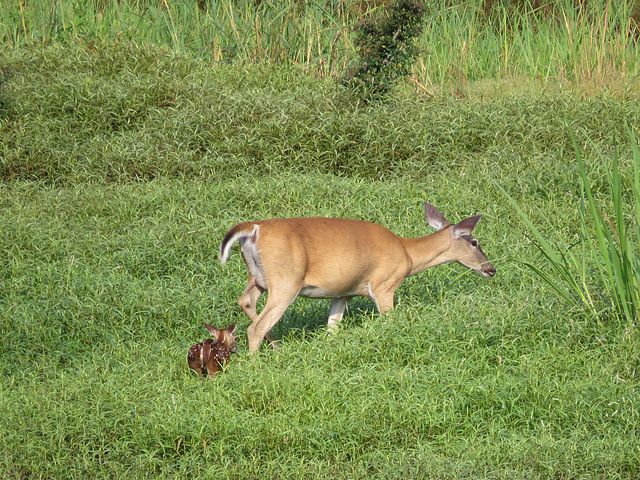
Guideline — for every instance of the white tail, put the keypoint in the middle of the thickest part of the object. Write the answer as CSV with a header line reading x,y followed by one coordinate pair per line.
x,y
340,259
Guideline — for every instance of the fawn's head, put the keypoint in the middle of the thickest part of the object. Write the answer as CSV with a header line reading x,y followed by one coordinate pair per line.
x,y
226,336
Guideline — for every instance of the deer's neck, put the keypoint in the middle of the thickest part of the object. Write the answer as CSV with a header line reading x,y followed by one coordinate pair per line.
x,y
429,251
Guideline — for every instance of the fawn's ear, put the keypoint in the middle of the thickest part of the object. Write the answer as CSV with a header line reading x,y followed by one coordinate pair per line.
x,y
213,330
231,328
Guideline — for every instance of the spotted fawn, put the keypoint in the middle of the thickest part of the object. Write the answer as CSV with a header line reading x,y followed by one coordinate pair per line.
x,y
210,356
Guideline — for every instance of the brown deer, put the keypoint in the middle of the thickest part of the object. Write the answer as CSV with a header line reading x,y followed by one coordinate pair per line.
x,y
210,356
340,259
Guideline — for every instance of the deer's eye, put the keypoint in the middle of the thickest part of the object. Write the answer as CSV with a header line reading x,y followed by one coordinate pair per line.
x,y
474,243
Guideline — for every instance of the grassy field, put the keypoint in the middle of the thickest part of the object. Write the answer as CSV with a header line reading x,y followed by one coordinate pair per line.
x,y
123,164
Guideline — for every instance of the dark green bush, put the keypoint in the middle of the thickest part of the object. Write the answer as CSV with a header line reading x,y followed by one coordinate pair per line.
x,y
387,48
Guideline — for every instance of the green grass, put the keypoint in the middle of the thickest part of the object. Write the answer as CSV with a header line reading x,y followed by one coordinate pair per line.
x,y
138,114
107,289
613,245
124,166
557,45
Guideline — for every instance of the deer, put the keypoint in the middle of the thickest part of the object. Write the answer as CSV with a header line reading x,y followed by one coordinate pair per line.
x,y
338,259
212,355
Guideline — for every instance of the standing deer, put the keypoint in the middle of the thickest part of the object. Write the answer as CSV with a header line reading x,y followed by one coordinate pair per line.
x,y
340,259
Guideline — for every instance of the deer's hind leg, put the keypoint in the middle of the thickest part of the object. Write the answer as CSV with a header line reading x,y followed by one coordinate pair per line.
x,y
336,312
277,302
248,301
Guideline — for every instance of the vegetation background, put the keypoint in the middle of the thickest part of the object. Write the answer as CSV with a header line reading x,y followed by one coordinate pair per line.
x,y
133,134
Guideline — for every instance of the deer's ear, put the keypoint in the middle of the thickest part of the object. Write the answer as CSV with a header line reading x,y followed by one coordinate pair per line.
x,y
466,226
231,328
213,330
434,218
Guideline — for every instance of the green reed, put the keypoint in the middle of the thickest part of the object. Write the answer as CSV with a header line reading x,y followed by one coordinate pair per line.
x,y
590,46
601,272
314,34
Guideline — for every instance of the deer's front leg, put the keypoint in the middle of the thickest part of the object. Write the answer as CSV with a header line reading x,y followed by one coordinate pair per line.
x,y
336,312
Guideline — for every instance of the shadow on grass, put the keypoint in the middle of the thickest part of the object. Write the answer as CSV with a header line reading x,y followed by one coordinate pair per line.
x,y
308,317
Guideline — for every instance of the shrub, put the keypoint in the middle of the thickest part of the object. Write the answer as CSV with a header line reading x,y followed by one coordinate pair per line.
x,y
387,48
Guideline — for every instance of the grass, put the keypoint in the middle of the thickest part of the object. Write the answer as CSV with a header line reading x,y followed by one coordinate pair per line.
x,y
612,242
618,239
124,165
590,47
133,114
107,291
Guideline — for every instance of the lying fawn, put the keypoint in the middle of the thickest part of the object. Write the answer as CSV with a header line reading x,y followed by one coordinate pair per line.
x,y
210,356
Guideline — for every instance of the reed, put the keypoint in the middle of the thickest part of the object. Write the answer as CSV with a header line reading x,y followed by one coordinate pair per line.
x,y
618,238
603,277
591,46
313,34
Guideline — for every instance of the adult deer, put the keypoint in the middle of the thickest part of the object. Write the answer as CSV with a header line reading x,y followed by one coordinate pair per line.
x,y
340,259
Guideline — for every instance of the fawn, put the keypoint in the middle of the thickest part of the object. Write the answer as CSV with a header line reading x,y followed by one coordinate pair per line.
x,y
210,356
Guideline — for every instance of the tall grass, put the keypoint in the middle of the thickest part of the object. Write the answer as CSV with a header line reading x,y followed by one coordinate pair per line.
x,y
308,33
590,45
618,238
609,245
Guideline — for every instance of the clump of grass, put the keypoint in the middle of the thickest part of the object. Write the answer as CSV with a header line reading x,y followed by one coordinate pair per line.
x,y
614,249
387,48
618,238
